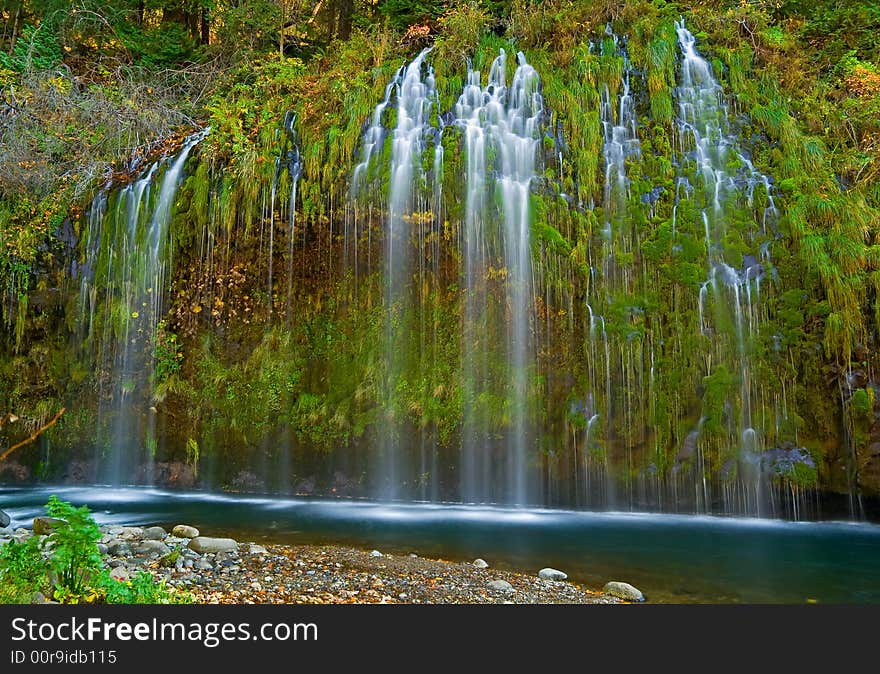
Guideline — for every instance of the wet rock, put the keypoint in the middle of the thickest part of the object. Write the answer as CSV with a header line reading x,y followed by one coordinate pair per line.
x,y
185,531
623,591
154,533
4,520
500,586
552,574
375,553
203,544
152,547
480,563
43,526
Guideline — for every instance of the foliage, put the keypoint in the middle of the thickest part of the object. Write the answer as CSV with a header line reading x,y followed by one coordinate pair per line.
x,y
70,556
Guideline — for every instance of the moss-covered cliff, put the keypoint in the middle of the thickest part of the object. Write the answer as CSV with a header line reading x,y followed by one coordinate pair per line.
x,y
654,381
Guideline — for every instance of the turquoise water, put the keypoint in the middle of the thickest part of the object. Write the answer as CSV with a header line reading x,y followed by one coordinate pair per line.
x,y
671,558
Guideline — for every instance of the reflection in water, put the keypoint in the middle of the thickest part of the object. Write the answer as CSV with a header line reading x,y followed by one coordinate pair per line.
x,y
672,558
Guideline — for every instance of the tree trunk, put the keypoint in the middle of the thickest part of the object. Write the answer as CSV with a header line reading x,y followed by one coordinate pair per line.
x,y
14,29
206,26
343,22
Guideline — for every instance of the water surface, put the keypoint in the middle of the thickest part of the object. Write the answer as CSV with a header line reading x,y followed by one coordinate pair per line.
x,y
671,558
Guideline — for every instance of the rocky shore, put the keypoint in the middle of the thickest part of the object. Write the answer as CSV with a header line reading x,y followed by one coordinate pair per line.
x,y
226,571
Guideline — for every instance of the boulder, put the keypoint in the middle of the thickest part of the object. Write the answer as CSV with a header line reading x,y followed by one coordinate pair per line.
x,y
154,533
4,519
43,526
623,591
184,531
552,574
203,544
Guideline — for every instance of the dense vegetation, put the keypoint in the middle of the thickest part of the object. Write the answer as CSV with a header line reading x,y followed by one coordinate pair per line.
x,y
253,379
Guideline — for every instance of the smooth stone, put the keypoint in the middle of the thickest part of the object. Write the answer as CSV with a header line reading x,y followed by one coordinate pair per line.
x,y
204,565
119,573
4,519
255,549
150,547
154,533
623,591
107,539
132,532
44,526
375,553
500,585
103,549
481,563
119,548
115,531
185,531
552,574
205,544
6,533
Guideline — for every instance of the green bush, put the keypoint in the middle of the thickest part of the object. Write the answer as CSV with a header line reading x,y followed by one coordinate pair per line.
x,y
75,564
22,571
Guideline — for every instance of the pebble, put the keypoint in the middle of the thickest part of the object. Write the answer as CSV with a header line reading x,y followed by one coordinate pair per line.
x,y
204,544
152,547
375,553
623,591
119,573
480,563
154,533
500,586
185,531
552,574
257,549
44,526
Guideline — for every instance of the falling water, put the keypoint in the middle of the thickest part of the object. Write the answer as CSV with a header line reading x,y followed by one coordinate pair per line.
x,y
710,148
125,275
501,127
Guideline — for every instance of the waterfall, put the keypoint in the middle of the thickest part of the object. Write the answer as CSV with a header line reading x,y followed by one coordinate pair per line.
x,y
414,95
124,279
501,127
726,179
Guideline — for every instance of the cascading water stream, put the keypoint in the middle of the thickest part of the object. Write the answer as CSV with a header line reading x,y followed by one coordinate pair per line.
x,y
128,259
726,179
501,127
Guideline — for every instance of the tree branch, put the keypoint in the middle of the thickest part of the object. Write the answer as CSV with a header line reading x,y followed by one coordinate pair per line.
x,y
33,435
